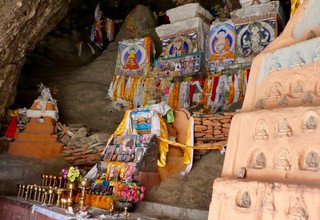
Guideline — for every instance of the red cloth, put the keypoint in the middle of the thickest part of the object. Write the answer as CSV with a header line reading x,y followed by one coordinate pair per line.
x,y
192,87
214,87
12,128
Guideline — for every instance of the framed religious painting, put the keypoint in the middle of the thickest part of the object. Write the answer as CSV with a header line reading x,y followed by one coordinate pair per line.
x,y
254,36
220,48
141,121
256,27
134,57
109,152
179,45
179,66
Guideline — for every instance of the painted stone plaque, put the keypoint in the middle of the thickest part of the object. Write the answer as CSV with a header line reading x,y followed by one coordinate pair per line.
x,y
254,36
179,66
220,49
134,57
180,45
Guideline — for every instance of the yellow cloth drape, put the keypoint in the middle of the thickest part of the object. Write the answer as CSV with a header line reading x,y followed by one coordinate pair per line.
x,y
214,146
123,124
174,96
146,91
163,146
187,150
123,87
134,84
115,86
294,5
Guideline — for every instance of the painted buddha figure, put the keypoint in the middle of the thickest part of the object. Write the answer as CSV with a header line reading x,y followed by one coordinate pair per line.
x,y
222,48
132,63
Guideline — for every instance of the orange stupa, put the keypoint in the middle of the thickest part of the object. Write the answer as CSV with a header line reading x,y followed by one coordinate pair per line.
x,y
38,139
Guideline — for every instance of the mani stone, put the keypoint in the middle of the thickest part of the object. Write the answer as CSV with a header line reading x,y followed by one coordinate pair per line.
x,y
188,11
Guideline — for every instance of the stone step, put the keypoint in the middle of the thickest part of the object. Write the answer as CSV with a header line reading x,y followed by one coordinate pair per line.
x,y
37,127
41,150
28,136
171,212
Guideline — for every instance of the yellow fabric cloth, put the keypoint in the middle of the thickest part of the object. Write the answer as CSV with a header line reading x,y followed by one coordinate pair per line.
x,y
215,146
163,146
294,5
146,91
123,125
187,150
115,85
134,84
174,96
123,87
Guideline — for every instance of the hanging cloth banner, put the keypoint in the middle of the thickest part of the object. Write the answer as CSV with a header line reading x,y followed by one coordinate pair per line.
x,y
110,29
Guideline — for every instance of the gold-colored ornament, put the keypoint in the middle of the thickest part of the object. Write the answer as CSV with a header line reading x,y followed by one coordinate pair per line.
x,y
84,184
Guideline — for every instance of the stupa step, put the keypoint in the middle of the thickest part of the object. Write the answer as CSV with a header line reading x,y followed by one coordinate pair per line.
x,y
46,121
171,212
253,200
27,136
37,127
41,150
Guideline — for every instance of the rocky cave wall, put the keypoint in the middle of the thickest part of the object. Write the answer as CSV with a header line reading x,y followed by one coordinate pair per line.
x,y
22,24
78,83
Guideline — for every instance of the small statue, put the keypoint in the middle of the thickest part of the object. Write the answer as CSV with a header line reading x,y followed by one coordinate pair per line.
x,y
284,129
297,209
275,90
268,202
297,59
261,130
310,123
283,160
111,209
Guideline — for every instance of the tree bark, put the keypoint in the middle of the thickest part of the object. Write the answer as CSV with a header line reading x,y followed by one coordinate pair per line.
x,y
22,24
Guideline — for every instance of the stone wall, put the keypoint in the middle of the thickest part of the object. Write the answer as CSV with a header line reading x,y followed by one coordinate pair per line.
x,y
212,128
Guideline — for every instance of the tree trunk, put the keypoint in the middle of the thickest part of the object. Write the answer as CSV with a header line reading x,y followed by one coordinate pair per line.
x,y
22,24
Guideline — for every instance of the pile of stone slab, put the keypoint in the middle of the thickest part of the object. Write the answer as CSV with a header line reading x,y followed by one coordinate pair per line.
x,y
212,128
80,148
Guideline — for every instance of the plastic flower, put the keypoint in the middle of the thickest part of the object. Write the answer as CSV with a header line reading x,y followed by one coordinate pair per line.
x,y
64,173
72,174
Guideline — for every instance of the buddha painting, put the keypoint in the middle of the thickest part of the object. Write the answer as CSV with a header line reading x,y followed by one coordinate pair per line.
x,y
132,62
221,47
253,37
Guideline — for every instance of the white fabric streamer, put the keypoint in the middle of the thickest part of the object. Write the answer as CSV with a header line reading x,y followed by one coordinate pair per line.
x,y
189,167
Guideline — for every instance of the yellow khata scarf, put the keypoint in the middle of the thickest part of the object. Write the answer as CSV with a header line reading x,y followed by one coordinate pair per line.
x,y
133,88
115,86
294,5
123,87
174,96
146,91
163,146
205,92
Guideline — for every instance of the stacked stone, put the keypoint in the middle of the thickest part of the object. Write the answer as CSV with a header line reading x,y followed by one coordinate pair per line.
x,y
80,148
212,128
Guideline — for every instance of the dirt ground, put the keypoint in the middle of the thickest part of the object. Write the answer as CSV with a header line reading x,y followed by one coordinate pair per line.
x,y
193,190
